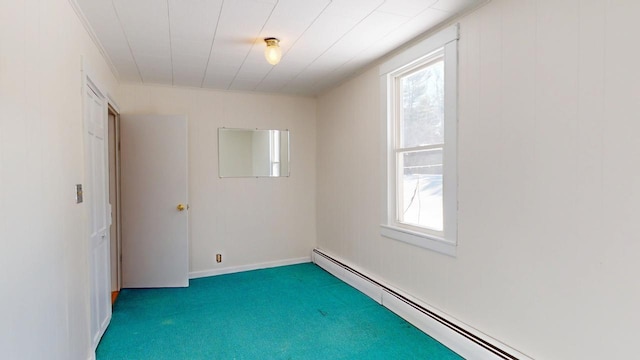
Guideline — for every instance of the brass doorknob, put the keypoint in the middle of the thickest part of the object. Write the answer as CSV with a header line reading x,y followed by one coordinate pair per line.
x,y
180,207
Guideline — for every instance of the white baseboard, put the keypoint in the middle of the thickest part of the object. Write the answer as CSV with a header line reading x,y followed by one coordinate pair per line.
x,y
235,269
457,336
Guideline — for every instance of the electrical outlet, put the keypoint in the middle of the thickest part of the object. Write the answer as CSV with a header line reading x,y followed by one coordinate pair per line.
x,y
219,258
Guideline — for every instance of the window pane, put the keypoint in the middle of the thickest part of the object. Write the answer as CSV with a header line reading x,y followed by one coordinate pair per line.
x,y
422,106
420,188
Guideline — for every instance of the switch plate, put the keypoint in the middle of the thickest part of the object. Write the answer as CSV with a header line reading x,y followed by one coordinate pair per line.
x,y
79,196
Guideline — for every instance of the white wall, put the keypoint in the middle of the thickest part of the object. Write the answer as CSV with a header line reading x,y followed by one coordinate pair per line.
x,y
43,248
548,182
249,220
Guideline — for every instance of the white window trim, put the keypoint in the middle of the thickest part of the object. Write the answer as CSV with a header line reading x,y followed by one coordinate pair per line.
x,y
446,244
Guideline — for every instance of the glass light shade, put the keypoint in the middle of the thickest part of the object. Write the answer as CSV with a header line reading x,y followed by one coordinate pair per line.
x,y
272,53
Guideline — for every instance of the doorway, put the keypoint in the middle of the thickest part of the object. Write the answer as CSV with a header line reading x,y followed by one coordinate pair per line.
x,y
114,200
149,224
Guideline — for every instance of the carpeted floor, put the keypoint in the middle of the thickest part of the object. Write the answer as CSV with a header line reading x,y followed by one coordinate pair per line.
x,y
289,312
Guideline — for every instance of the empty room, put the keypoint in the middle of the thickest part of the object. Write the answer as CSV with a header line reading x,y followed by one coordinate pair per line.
x,y
319,179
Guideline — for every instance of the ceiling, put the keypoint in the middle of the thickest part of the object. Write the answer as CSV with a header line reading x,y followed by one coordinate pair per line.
x,y
219,43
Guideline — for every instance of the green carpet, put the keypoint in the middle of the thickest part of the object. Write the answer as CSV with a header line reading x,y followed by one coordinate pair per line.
x,y
289,312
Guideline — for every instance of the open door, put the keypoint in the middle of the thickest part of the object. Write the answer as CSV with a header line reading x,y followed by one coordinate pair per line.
x,y
96,196
155,246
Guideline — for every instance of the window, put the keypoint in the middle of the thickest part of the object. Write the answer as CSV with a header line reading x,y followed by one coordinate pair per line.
x,y
420,116
419,144
274,146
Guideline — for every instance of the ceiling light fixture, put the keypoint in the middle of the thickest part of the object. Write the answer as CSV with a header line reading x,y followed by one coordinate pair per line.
x,y
272,53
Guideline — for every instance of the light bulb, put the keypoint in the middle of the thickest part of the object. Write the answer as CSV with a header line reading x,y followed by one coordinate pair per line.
x,y
272,53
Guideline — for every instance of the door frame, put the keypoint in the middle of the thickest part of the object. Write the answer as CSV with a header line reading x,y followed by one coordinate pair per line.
x,y
116,214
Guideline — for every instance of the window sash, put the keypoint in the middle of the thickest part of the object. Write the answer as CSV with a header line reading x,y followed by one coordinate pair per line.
x,y
397,101
399,190
396,89
443,43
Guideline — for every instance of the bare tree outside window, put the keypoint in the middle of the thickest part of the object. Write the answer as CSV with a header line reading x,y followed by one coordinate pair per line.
x,y
421,131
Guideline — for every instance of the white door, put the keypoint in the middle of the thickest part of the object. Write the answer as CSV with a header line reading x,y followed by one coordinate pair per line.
x,y
96,195
155,247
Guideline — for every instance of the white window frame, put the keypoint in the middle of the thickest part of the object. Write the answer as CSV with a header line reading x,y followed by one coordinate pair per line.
x,y
445,41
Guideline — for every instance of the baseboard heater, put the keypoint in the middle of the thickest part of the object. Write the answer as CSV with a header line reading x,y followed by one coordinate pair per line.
x,y
462,339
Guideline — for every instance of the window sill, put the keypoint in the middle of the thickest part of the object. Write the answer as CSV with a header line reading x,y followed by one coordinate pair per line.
x,y
422,240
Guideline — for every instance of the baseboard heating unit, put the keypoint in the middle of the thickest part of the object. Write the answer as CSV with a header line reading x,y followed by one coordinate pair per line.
x,y
461,338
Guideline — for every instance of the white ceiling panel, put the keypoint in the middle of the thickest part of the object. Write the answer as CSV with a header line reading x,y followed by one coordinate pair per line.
x,y
407,8
455,6
220,76
338,19
155,69
241,22
102,16
364,35
288,29
383,46
194,20
127,69
192,24
219,43
274,86
335,22
354,9
275,83
146,27
402,34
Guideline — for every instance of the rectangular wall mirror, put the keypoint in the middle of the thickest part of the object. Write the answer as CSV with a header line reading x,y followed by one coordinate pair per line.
x,y
253,153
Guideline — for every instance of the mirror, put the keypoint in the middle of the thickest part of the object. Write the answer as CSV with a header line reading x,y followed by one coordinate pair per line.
x,y
253,153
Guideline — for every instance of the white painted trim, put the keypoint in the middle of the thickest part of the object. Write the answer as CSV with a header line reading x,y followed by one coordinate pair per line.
x,y
370,289
450,154
388,130
235,269
90,78
87,26
419,239
420,50
442,334
445,44
113,103
434,326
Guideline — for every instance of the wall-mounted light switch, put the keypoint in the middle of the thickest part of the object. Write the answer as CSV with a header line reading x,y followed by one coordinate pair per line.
x,y
78,193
